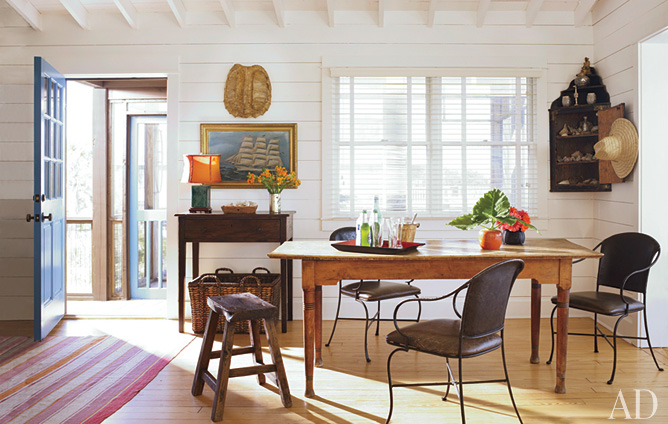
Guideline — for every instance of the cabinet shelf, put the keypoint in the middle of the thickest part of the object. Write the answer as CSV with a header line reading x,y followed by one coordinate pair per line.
x,y
578,162
572,137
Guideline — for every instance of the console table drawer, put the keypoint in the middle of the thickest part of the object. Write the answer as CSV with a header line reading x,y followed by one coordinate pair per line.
x,y
256,230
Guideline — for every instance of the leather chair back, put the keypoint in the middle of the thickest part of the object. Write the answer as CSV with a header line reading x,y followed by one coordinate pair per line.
x,y
343,234
487,298
623,254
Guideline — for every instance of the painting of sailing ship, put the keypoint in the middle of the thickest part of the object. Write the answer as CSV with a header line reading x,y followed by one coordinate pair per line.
x,y
248,148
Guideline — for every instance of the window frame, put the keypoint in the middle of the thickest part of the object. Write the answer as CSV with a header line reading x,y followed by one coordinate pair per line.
x,y
542,148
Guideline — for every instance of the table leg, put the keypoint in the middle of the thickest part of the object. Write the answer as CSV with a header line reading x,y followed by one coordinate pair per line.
x,y
181,281
308,287
290,297
318,326
563,296
284,296
535,320
195,259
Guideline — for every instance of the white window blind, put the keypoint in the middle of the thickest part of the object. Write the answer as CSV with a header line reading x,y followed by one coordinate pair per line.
x,y
429,145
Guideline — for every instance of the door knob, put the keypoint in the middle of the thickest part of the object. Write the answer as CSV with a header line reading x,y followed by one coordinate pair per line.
x,y
46,217
31,217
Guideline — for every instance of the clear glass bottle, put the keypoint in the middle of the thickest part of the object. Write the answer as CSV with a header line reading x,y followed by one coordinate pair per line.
x,y
377,235
358,229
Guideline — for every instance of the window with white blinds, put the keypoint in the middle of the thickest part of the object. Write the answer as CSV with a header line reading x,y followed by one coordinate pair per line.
x,y
429,145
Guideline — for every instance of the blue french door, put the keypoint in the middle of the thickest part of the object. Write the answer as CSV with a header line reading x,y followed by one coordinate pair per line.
x,y
49,197
147,206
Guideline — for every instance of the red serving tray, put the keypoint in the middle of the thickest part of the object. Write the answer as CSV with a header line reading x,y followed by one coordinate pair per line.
x,y
350,246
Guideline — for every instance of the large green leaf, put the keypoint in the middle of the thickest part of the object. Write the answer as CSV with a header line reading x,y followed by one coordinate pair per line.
x,y
492,205
464,222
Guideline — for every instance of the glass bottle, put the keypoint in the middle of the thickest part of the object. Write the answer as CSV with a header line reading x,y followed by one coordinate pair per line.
x,y
364,229
377,236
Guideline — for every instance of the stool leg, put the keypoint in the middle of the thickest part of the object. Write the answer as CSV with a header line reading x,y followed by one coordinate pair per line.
x,y
223,372
256,342
275,350
205,353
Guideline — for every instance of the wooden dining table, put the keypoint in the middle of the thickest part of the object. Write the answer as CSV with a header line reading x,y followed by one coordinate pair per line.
x,y
547,261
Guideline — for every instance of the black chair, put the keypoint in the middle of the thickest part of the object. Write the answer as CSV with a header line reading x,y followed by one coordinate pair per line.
x,y
369,291
478,331
624,266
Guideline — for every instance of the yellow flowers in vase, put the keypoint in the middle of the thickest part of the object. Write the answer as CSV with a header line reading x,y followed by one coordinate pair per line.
x,y
275,181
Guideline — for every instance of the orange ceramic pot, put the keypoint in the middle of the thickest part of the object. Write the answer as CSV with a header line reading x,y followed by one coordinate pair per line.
x,y
490,239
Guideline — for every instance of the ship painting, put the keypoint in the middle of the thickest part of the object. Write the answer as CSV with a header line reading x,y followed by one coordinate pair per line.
x,y
249,148
256,154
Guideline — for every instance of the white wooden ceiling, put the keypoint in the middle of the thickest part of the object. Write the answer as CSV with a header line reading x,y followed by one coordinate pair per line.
x,y
431,12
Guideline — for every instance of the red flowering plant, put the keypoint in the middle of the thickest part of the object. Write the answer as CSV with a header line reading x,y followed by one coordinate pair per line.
x,y
522,224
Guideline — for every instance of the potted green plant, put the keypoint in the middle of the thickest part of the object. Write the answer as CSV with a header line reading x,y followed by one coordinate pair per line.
x,y
491,211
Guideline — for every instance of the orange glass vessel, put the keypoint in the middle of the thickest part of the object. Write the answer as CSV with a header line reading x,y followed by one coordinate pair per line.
x,y
490,239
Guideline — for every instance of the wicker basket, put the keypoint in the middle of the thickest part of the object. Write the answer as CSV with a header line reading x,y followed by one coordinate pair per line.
x,y
265,285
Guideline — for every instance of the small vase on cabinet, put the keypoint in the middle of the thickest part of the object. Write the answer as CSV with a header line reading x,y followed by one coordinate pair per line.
x,y
275,203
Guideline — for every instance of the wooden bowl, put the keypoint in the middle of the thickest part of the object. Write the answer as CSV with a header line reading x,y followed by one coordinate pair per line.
x,y
239,209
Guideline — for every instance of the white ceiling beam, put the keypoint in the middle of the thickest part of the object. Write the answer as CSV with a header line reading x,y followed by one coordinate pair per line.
x,y
128,11
279,9
432,13
532,10
381,13
483,7
581,12
179,11
330,12
78,11
28,12
228,11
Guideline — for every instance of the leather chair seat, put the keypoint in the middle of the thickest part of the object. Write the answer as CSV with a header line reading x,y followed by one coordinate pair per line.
x,y
602,303
441,337
373,290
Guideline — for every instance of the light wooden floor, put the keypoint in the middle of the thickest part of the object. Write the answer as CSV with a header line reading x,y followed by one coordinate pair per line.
x,y
352,391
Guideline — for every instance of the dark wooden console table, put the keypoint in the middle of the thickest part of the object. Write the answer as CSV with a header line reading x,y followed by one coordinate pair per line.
x,y
218,227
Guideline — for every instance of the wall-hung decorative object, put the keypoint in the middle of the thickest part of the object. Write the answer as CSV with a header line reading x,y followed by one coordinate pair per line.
x,y
248,148
620,147
247,91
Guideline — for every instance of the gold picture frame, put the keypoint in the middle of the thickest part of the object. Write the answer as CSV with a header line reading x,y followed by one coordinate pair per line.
x,y
245,148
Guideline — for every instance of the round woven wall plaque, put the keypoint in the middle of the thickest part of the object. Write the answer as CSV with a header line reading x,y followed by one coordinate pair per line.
x,y
247,91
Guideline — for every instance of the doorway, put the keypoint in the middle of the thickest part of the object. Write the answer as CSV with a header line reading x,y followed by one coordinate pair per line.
x,y
653,96
116,197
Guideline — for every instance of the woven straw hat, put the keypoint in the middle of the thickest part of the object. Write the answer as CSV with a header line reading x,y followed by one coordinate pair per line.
x,y
620,147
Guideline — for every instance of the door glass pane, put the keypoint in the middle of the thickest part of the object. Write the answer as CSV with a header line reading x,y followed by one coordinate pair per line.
x,y
117,235
80,151
141,254
117,159
79,258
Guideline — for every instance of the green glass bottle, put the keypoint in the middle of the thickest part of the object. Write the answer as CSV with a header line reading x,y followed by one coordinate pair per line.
x,y
364,230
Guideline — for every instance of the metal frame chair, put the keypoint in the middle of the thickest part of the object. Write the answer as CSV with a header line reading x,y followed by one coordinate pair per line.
x,y
369,291
479,330
624,266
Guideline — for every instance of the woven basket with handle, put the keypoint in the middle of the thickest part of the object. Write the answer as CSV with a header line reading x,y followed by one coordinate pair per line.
x,y
264,285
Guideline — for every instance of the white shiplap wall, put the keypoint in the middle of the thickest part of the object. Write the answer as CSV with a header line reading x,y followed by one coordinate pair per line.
x,y
196,60
619,25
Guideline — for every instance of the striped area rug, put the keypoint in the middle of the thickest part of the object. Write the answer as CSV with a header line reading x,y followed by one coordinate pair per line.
x,y
72,379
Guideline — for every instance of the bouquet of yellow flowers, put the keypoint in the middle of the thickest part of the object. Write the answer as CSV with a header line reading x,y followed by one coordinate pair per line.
x,y
274,181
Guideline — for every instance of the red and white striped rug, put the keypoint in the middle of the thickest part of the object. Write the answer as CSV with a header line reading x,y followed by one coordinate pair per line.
x,y
72,379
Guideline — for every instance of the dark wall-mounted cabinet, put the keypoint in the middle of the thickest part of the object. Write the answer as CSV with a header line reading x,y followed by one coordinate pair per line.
x,y
575,126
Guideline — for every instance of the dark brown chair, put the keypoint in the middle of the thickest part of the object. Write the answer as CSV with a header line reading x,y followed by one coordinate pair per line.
x,y
478,331
627,258
369,291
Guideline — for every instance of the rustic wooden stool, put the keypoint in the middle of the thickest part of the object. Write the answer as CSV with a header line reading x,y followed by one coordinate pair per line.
x,y
234,308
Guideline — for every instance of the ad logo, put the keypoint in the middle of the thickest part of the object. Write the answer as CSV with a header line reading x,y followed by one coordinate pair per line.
x,y
622,402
